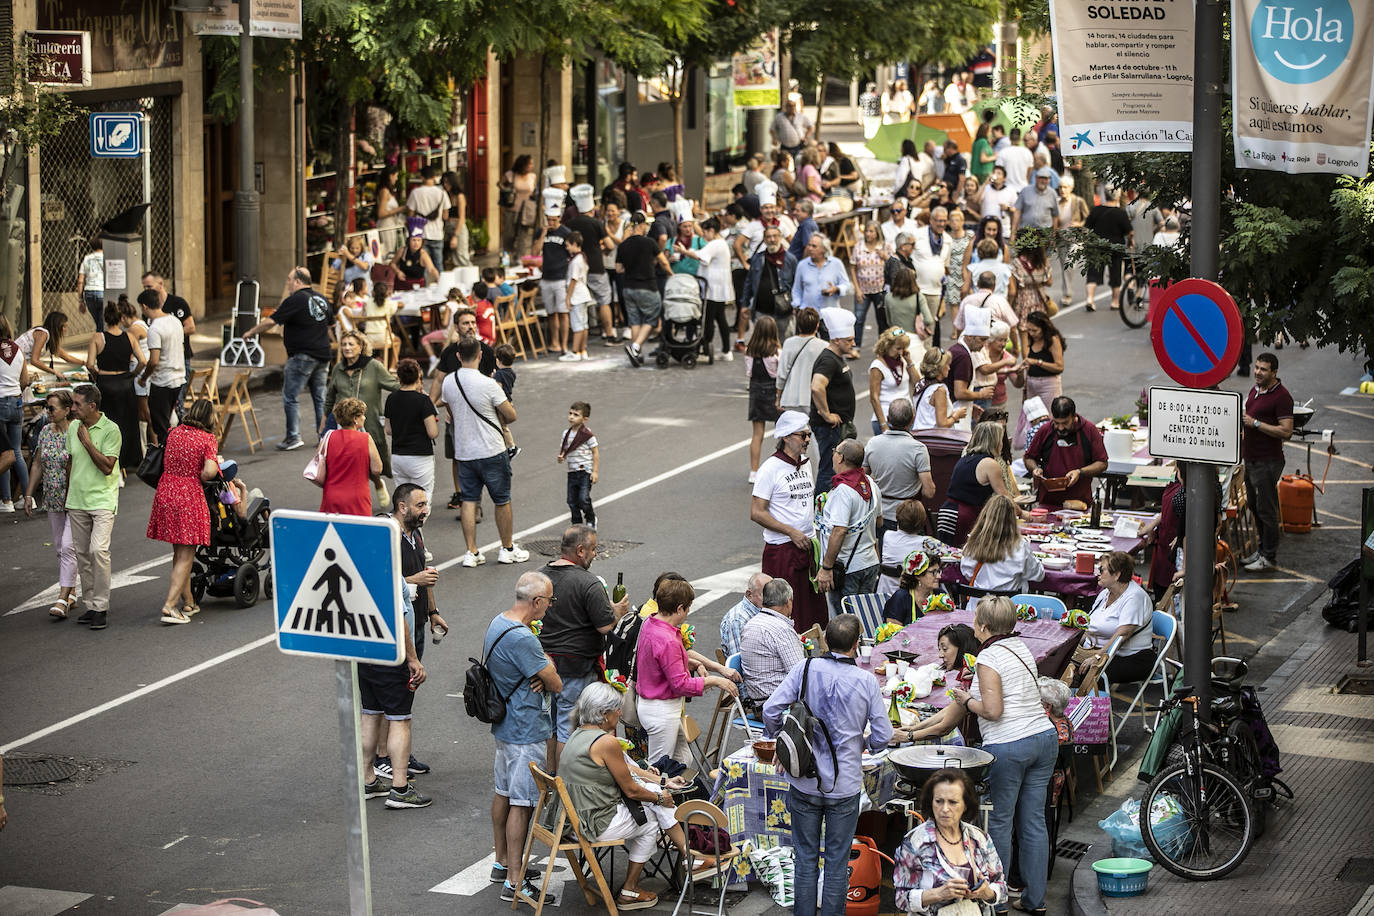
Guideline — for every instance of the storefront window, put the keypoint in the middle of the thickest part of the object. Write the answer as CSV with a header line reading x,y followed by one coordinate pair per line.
x,y
725,141
610,121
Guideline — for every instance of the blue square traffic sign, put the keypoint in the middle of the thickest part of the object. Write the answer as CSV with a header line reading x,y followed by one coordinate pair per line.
x,y
337,586
116,135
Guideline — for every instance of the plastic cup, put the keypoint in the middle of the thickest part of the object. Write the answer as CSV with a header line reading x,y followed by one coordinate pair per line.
x,y
437,633
902,666
865,652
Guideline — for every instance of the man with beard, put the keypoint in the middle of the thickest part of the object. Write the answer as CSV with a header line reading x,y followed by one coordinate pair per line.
x,y
782,505
410,508
771,271
1068,448
578,618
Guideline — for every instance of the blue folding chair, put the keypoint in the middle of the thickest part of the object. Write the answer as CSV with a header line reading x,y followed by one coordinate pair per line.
x,y
868,608
1164,632
1047,607
742,721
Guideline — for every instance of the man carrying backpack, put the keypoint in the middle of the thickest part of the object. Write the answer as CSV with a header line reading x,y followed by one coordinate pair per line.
x,y
521,674
824,784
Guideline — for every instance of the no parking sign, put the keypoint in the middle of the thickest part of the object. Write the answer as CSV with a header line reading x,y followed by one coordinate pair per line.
x,y
1197,333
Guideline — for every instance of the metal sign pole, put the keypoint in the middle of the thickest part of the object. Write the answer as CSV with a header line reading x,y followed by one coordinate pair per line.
x,y
1200,479
350,749
148,192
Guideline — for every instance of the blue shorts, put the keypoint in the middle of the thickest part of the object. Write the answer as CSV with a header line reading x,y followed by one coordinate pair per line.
x,y
511,771
492,473
560,710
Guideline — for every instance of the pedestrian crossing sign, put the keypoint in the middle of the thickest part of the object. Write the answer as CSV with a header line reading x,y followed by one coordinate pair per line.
x,y
337,586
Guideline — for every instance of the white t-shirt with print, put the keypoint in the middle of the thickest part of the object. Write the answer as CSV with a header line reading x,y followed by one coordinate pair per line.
x,y
577,272
715,263
789,491
165,334
845,507
93,269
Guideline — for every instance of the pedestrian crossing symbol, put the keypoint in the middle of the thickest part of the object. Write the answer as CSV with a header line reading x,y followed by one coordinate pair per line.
x,y
338,586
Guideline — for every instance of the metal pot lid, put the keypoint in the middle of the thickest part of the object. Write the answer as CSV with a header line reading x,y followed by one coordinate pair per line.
x,y
938,756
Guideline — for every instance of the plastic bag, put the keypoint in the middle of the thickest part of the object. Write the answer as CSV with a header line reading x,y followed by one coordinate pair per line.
x,y
774,867
1123,826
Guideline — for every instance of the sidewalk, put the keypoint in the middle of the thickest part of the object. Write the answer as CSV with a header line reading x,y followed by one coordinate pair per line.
x,y
1317,854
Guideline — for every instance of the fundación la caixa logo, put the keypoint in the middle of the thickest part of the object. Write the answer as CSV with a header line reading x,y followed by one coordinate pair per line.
x,y
1302,41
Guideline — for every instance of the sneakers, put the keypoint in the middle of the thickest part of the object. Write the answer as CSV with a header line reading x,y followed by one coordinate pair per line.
x,y
471,559
753,476
499,873
611,341
377,788
382,767
98,620
727,355
408,797
1259,564
86,617
415,767
633,353
6,505
570,357
455,501
528,888
512,554
290,445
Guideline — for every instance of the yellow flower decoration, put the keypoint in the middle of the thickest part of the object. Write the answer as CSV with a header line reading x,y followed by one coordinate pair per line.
x,y
886,632
735,770
536,627
689,635
778,806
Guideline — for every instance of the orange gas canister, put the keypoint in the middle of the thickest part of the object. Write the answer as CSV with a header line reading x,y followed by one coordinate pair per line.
x,y
865,877
1297,502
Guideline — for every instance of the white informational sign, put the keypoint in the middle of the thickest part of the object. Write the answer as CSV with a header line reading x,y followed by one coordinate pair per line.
x,y
1195,424
116,273
1124,75
1302,77
268,19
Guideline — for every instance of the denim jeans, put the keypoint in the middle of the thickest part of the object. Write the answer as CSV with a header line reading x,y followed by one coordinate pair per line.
x,y
839,816
827,437
1262,492
300,370
580,497
435,247
12,423
862,304
856,582
1017,780
94,300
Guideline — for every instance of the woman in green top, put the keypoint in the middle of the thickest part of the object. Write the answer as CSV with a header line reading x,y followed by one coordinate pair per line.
x,y
907,310
981,160
358,375
599,777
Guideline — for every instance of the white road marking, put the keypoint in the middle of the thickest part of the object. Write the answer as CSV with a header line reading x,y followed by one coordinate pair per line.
x,y
662,421
722,584
124,577
271,638
476,878
176,841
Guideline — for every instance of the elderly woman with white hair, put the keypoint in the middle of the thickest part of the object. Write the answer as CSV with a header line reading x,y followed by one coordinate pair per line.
x,y
601,781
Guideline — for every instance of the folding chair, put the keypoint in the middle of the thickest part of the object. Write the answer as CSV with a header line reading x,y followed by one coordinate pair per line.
x,y
692,732
529,320
508,324
552,788
1164,629
737,716
868,608
1047,607
238,404
713,819
1095,684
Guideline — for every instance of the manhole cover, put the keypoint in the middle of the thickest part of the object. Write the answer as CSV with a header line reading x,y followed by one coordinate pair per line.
x,y
37,771
1070,849
605,550
1357,871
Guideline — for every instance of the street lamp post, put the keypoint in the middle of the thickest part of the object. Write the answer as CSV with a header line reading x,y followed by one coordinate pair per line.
x,y
246,204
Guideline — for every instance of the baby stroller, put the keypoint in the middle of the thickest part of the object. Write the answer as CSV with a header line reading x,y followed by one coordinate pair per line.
x,y
237,562
682,327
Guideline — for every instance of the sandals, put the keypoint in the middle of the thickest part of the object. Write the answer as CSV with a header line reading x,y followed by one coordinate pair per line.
x,y
190,610
60,607
172,615
635,900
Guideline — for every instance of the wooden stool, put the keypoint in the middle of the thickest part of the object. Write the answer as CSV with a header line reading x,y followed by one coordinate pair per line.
x,y
238,404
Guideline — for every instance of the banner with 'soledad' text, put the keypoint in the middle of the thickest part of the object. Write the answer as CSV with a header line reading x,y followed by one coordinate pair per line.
x,y
1124,73
1302,78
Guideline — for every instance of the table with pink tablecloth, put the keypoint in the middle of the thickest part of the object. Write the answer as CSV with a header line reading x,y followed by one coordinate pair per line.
x,y
1063,582
1051,644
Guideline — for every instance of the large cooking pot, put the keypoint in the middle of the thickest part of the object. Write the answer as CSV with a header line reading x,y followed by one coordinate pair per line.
x,y
1302,416
919,763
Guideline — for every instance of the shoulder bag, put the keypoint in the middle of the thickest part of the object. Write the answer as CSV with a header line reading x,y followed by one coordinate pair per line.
x,y
315,470
150,468
481,416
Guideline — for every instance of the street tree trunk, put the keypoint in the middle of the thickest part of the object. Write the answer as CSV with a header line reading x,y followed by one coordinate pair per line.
x,y
343,156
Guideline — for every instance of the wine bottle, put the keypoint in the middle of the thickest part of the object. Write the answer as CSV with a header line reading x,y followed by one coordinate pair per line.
x,y
894,715
618,593
1095,521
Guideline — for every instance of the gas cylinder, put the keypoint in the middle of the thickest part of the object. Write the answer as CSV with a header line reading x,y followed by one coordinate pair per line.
x,y
1297,500
865,878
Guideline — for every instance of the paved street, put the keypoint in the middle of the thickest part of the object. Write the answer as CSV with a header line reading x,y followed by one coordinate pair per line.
x,y
209,761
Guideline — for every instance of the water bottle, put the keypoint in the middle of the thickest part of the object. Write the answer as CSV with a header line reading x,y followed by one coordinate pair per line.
x,y
505,259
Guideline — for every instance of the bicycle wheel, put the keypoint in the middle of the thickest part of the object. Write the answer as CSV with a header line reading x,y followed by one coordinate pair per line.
x,y
1197,826
1245,765
1135,300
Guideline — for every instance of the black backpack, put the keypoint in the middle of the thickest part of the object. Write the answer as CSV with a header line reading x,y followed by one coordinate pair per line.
x,y
796,738
481,699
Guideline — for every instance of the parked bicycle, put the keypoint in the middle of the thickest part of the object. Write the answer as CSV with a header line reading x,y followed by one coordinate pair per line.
x,y
1203,811
1135,296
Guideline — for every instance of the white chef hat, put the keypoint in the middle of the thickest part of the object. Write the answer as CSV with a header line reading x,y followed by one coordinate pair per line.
x,y
682,209
553,201
839,322
555,175
977,321
767,192
583,197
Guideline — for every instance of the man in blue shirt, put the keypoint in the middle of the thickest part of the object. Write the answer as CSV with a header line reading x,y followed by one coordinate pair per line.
x,y
525,675
821,279
803,211
846,699
732,624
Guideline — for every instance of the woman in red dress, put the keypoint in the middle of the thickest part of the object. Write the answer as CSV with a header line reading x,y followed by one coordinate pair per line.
x,y
351,461
181,516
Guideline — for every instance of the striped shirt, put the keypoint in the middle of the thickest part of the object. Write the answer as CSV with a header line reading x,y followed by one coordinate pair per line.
x,y
769,648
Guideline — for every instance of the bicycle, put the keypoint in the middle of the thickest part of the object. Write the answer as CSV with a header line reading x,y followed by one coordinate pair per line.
x,y
1202,813
1135,297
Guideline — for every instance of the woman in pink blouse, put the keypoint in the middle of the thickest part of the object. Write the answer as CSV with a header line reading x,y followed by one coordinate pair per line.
x,y
866,264
662,679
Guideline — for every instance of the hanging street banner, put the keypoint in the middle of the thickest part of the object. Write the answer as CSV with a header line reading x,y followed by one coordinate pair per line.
x,y
1124,73
1302,78
754,73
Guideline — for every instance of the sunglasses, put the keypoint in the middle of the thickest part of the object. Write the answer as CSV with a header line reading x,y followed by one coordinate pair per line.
x,y
805,434
898,332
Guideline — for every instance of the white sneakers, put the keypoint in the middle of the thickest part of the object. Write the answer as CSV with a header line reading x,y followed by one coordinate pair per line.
x,y
1259,563
570,357
6,505
512,554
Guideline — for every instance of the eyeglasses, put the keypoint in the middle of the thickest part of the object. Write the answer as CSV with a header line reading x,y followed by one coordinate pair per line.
x,y
549,598
805,434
